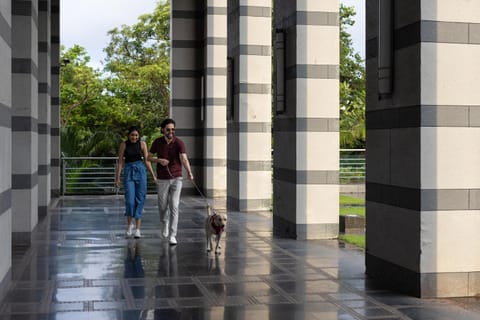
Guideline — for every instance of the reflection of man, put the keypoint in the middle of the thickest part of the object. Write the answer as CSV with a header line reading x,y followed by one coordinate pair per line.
x,y
170,154
167,266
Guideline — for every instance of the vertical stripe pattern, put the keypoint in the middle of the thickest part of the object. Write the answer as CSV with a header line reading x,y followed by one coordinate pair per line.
x,y
249,129
215,133
306,131
24,116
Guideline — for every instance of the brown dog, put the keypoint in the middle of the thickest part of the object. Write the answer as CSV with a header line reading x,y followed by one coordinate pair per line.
x,y
215,224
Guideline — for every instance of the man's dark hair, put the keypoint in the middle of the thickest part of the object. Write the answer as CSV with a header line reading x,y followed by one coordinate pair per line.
x,y
166,121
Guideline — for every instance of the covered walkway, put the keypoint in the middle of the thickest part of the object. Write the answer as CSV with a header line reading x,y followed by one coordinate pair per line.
x,y
81,266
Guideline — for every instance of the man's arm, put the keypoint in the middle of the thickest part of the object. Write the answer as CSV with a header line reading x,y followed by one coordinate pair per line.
x,y
186,164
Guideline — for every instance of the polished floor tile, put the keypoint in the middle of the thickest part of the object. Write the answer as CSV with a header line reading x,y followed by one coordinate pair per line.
x,y
81,266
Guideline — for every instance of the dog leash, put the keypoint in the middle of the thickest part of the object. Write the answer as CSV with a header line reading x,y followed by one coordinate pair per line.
x,y
200,192
195,185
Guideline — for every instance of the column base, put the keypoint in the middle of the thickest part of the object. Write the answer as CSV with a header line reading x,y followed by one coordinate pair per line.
x,y
287,229
422,285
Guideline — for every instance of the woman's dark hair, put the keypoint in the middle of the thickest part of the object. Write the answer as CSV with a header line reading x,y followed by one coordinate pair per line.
x,y
133,128
166,121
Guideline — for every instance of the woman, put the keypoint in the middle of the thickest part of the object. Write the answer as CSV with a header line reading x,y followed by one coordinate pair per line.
x,y
134,177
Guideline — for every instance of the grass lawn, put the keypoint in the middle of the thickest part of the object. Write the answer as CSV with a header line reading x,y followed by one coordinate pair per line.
x,y
351,205
355,239
346,200
360,211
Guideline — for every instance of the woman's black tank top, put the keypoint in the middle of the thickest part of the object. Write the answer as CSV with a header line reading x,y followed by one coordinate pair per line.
x,y
133,151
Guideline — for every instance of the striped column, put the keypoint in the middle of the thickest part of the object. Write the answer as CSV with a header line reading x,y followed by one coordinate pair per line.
x,y
44,108
215,124
249,167
5,143
55,172
423,146
187,82
306,126
24,118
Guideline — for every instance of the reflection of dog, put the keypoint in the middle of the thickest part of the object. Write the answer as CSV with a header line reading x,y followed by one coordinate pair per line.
x,y
215,224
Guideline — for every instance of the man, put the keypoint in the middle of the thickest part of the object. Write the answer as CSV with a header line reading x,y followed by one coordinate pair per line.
x,y
170,155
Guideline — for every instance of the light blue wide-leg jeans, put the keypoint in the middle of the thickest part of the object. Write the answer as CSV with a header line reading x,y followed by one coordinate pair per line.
x,y
135,185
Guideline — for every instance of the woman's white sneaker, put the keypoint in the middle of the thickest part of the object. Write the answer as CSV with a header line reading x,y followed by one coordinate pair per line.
x,y
137,234
129,230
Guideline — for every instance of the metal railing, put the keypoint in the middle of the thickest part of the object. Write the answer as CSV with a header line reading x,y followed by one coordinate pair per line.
x,y
96,175
352,166
88,175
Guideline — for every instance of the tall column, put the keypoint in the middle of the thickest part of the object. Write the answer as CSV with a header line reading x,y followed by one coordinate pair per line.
x,y
24,118
215,123
5,143
306,125
187,81
55,172
249,166
423,147
44,108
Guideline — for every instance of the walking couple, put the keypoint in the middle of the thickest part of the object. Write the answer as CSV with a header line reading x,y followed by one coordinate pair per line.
x,y
169,153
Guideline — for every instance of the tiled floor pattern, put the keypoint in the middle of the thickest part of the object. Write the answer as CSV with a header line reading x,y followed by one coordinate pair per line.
x,y
81,266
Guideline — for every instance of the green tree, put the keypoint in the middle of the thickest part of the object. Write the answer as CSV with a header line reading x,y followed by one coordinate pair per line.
x,y
138,65
352,86
92,123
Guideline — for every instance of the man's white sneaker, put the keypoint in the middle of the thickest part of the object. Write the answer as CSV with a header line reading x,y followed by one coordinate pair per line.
x,y
137,234
130,230
173,241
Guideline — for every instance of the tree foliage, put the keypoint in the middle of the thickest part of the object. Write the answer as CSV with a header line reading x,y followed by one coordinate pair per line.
x,y
352,86
97,106
138,60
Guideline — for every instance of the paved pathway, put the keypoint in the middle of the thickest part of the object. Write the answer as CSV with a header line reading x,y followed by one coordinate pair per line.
x,y
81,266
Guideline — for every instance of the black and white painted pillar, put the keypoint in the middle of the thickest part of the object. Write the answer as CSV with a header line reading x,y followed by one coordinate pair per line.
x,y
44,107
5,142
215,102
423,146
306,125
249,165
24,118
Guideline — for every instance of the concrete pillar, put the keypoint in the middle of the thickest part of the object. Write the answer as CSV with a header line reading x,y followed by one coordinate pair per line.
x,y
5,144
187,81
215,123
249,166
423,147
24,118
44,108
306,125
55,167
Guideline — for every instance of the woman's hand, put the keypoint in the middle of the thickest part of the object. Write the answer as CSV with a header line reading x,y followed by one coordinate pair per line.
x,y
117,182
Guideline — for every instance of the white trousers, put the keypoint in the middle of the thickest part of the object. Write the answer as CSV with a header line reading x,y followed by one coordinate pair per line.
x,y
168,194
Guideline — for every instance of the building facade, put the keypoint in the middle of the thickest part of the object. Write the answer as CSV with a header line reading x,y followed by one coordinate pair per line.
x,y
255,93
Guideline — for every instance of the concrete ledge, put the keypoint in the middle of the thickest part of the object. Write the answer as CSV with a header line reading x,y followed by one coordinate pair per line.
x,y
351,223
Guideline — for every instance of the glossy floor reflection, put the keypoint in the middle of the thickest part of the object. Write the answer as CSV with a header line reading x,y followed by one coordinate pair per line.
x,y
81,266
